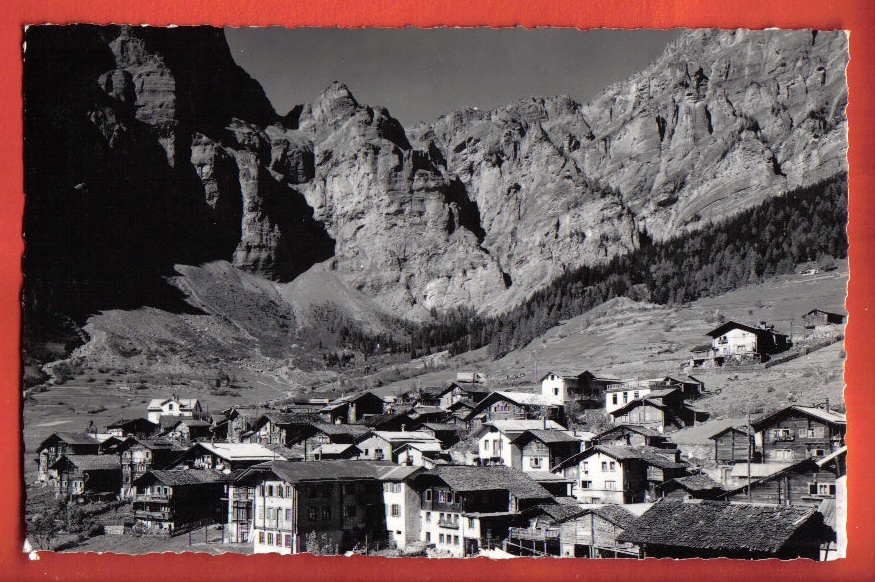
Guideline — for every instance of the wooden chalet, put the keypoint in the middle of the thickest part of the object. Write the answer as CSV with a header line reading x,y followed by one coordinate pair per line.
x,y
661,410
541,449
733,340
352,408
593,532
141,455
518,406
397,419
633,435
86,475
382,445
278,427
542,535
734,445
226,457
620,474
136,427
61,444
802,483
421,454
316,434
235,423
169,501
448,433
798,432
494,440
719,529
185,431
465,508
817,318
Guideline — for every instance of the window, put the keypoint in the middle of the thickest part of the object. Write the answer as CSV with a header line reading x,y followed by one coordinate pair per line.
x,y
311,513
271,513
612,485
261,537
555,391
288,490
349,511
604,465
288,541
625,397
396,487
815,432
269,539
612,466
614,399
635,395
279,539
326,513
260,513
535,462
821,489
427,517
783,454
585,467
818,452
288,515
428,536
440,496
586,484
378,454
279,491
470,522
261,490
367,452
441,538
449,496
428,494
456,540
270,490
782,434
396,510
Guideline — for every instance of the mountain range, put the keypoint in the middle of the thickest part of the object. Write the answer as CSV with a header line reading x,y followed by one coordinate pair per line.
x,y
158,172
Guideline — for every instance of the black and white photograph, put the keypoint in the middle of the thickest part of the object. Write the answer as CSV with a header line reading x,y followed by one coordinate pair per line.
x,y
435,292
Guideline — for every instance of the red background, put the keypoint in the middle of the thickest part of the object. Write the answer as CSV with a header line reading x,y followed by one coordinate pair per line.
x,y
856,16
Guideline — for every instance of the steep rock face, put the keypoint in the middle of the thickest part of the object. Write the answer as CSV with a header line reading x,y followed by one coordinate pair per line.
x,y
400,236
721,121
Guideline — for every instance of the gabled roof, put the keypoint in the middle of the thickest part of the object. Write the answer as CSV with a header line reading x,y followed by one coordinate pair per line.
x,y
71,438
717,525
829,417
91,462
285,418
558,512
180,477
548,437
758,470
730,325
131,423
405,436
356,431
184,403
564,374
340,470
802,466
442,426
737,429
235,451
378,419
466,478
648,455
611,512
621,428
331,449
512,427
424,447
695,483
825,312
189,422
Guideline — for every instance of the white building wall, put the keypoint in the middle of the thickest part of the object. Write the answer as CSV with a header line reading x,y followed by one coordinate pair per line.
x,y
273,514
615,399
735,341
604,476
445,530
555,387
497,444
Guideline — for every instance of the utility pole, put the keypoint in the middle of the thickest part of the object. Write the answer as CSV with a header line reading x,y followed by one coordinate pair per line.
x,y
749,454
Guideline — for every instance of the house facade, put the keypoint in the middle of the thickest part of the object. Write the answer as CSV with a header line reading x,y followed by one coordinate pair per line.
x,y
494,440
186,407
541,450
382,445
322,507
62,444
518,406
82,475
138,457
819,318
166,501
737,340
798,432
593,533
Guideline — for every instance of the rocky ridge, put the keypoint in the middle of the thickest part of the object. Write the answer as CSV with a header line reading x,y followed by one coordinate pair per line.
x,y
179,158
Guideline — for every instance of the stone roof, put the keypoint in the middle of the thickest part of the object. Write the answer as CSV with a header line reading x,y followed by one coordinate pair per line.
x,y
717,525
91,462
239,451
341,470
494,477
545,436
178,477
697,483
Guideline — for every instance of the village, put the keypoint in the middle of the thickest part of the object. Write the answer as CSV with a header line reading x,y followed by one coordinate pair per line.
x,y
469,468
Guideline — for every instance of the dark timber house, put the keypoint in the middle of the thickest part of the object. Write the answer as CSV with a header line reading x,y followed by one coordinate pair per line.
x,y
798,432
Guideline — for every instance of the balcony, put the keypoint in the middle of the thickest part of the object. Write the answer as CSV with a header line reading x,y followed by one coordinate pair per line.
x,y
153,515
152,498
540,535
447,524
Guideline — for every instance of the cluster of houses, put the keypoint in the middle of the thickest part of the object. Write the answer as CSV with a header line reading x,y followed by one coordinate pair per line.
x,y
460,468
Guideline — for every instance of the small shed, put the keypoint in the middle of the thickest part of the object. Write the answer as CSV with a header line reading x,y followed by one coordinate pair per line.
x,y
818,317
